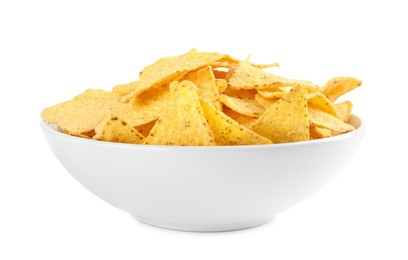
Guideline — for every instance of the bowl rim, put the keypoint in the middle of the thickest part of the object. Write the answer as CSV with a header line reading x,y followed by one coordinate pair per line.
x,y
53,130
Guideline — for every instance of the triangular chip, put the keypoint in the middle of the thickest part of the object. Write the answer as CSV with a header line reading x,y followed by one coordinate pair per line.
x,y
343,110
207,88
244,120
83,113
286,120
320,101
243,102
338,86
145,108
115,129
183,122
229,132
322,119
245,76
166,70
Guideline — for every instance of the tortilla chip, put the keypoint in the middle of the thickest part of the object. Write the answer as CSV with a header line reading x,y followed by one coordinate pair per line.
x,y
83,113
115,129
343,110
227,131
243,102
246,76
166,70
286,120
207,88
320,101
338,86
183,121
322,119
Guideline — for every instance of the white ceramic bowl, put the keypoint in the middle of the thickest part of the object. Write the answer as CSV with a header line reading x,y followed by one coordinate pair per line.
x,y
204,188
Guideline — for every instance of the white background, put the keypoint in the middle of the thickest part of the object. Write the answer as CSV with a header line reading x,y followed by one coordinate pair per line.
x,y
52,50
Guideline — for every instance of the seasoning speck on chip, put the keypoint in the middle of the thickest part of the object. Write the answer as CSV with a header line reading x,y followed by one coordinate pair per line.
x,y
208,99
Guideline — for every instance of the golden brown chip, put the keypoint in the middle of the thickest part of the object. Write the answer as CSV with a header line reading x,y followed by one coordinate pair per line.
x,y
221,85
166,70
144,108
183,122
207,88
115,129
338,86
265,102
243,103
231,60
145,129
286,120
220,74
343,110
124,89
320,101
227,131
244,120
321,132
272,94
322,119
246,76
83,113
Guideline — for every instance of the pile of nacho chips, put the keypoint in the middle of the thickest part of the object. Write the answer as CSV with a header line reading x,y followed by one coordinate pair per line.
x,y
208,98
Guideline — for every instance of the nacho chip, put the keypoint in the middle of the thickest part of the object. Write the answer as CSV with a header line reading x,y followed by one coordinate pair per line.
x,y
286,120
243,102
243,120
231,60
83,113
272,94
115,129
227,131
220,74
145,129
166,70
343,110
125,89
221,85
322,119
320,101
183,122
207,88
246,76
144,108
265,102
338,86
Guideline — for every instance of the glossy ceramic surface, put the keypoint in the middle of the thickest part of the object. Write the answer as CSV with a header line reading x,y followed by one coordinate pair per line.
x,y
204,188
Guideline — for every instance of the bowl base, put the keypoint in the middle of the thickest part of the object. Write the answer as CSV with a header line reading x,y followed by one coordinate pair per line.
x,y
202,227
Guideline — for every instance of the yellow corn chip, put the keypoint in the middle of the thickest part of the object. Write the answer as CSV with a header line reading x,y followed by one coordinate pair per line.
x,y
272,94
207,88
244,120
322,119
166,70
145,129
83,113
229,132
320,101
265,102
246,76
338,86
183,122
221,85
115,129
343,110
286,120
243,104
124,89
144,108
